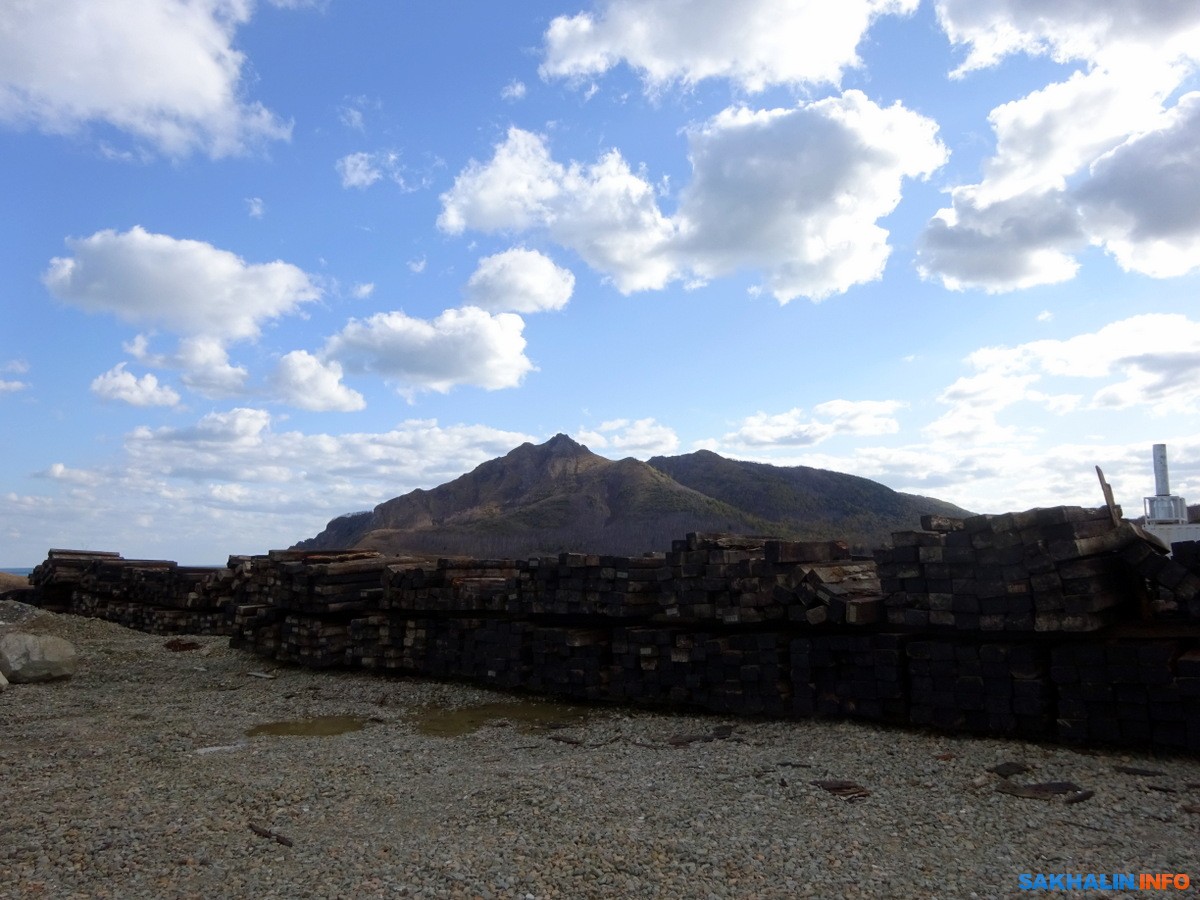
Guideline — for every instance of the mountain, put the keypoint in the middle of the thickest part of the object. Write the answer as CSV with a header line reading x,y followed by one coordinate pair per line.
x,y
556,496
811,503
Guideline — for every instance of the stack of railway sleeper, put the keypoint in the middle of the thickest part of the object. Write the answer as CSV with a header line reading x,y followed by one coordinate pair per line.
x,y
1128,691
570,661
857,675
653,665
57,577
992,687
748,673
451,585
1045,570
1172,583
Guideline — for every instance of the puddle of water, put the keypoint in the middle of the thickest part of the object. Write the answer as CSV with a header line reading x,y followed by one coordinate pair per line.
x,y
319,726
526,715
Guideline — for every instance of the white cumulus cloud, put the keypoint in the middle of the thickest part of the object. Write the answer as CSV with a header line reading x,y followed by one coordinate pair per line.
x,y
755,43
467,346
1142,201
206,368
1100,158
1012,244
1150,361
514,190
799,192
291,473
80,477
118,384
1099,31
519,280
796,193
358,170
242,427
361,170
185,286
307,382
166,72
800,429
639,437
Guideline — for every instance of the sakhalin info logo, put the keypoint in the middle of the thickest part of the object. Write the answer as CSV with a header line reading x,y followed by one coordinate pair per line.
x,y
1103,881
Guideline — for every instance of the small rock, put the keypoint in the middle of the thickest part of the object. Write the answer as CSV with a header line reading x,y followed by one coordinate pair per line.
x,y
3,681
35,657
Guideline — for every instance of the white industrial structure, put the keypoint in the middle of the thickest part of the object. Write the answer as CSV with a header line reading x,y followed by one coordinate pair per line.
x,y
1167,514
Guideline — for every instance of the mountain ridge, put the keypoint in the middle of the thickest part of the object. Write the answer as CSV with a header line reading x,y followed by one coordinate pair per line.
x,y
548,498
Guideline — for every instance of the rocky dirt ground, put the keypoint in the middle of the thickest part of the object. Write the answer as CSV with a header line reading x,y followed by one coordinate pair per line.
x,y
204,772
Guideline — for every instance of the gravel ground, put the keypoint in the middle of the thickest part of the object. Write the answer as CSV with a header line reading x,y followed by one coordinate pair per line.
x,y
138,778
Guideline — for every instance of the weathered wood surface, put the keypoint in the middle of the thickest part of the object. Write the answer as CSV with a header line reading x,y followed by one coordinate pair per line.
x,y
1056,624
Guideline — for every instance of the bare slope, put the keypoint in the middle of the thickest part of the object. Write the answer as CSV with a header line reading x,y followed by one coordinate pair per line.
x,y
537,499
558,496
812,503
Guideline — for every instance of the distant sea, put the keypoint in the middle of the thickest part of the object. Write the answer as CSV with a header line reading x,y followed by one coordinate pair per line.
x,y
17,571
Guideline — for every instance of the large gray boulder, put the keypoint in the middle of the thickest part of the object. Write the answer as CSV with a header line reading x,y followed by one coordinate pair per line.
x,y
35,657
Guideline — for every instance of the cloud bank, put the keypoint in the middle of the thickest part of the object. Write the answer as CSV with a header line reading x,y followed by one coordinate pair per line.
x,y
794,193
165,72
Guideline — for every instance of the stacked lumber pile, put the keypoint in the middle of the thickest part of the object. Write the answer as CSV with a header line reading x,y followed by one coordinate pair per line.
x,y
257,627
570,662
104,589
292,605
57,577
855,675
499,652
331,584
453,586
154,595
296,606
993,624
368,637
745,672
451,647
1046,570
655,666
492,650
314,642
734,579
162,597
390,643
1172,583
1128,692
994,688
172,585
722,578
582,585
256,620
842,593
250,579
217,588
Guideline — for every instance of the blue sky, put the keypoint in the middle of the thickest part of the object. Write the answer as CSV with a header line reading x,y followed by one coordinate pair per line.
x,y
268,262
